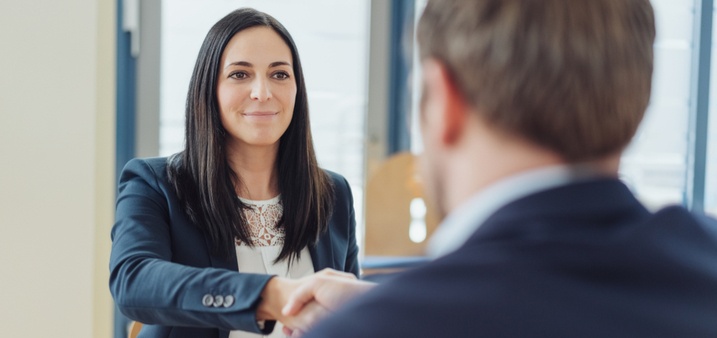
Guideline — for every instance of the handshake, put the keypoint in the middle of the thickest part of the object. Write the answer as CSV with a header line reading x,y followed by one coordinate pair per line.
x,y
299,304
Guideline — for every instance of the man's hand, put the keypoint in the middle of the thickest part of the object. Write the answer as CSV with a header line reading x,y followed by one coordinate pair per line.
x,y
310,314
318,294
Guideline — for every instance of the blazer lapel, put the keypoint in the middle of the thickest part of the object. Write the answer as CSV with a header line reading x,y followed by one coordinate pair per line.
x,y
322,253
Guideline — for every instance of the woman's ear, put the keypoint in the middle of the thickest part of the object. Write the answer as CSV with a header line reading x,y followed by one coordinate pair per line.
x,y
443,102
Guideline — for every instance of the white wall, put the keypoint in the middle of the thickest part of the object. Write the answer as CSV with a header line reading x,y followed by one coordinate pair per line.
x,y
56,163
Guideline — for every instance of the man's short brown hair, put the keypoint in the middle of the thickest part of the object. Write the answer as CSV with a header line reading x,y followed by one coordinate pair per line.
x,y
573,76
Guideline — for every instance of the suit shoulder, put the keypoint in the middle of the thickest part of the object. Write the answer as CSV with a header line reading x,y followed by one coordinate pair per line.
x,y
671,216
154,163
336,178
149,169
339,182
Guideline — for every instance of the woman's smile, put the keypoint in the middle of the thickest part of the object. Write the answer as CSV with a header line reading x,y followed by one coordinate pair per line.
x,y
260,115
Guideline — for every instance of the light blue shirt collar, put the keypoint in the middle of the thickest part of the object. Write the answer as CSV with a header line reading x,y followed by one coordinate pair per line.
x,y
460,224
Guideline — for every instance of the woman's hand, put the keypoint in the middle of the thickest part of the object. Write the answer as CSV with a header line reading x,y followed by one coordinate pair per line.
x,y
274,296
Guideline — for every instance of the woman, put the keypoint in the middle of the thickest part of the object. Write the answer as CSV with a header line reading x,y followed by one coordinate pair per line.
x,y
199,235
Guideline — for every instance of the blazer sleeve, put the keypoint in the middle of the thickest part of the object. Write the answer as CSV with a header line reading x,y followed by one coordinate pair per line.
x,y
148,287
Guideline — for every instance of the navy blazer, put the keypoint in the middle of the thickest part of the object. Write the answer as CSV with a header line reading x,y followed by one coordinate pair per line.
x,y
162,267
582,260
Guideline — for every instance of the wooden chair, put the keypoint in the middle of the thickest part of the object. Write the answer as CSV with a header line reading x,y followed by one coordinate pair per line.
x,y
389,193
134,328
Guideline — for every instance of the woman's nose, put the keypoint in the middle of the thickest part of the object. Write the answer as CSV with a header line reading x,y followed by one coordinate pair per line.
x,y
260,90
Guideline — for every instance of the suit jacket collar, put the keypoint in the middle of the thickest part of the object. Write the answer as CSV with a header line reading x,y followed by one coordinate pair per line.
x,y
465,219
594,201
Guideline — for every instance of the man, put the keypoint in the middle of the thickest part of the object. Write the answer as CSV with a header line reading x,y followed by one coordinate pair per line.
x,y
527,106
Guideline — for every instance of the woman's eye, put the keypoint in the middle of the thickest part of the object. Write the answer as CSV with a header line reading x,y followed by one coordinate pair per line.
x,y
238,75
281,75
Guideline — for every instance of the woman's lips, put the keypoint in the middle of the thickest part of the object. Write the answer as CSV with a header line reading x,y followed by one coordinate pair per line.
x,y
262,115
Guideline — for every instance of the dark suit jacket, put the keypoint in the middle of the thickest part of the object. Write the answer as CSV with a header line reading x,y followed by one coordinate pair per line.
x,y
162,268
583,260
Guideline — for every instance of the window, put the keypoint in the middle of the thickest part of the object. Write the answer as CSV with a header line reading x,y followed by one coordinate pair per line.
x,y
655,164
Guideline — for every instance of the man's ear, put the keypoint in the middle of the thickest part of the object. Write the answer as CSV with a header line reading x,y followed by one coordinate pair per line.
x,y
445,100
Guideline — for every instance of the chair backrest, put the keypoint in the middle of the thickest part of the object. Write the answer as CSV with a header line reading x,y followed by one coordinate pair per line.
x,y
134,328
390,192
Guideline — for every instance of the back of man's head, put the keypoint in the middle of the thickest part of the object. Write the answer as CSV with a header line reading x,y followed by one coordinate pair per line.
x,y
573,76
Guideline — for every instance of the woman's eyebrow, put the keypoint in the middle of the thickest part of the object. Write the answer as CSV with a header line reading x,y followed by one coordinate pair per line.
x,y
248,64
240,63
279,63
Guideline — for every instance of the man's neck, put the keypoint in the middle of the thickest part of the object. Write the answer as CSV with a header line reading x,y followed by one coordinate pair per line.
x,y
488,158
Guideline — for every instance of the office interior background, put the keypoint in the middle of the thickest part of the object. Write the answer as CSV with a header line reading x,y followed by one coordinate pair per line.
x,y
85,85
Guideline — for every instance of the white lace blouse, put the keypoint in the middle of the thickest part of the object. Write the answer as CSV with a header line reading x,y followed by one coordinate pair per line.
x,y
263,217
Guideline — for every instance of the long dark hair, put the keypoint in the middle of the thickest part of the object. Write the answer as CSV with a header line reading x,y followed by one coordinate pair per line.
x,y
202,177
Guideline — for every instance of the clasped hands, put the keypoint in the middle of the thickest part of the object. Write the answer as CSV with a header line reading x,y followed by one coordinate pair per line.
x,y
299,304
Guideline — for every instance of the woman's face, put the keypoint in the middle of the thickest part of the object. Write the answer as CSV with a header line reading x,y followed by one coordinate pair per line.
x,y
256,89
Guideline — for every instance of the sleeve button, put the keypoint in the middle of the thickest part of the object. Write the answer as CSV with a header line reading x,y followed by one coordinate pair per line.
x,y
207,300
228,301
218,301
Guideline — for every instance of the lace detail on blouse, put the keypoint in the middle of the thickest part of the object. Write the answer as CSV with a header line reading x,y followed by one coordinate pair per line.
x,y
262,218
